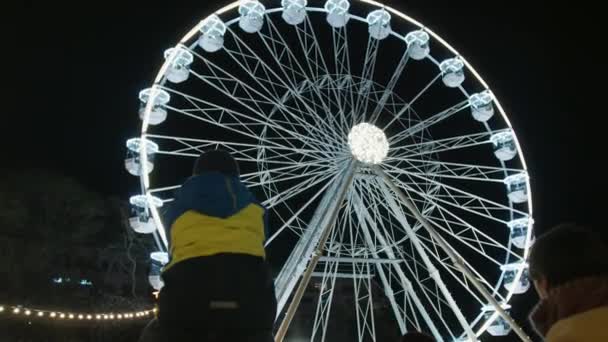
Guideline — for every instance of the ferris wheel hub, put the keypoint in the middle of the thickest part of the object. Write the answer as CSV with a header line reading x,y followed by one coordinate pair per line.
x,y
368,143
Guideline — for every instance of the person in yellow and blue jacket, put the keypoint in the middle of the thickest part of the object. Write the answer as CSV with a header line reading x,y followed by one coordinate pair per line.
x,y
218,285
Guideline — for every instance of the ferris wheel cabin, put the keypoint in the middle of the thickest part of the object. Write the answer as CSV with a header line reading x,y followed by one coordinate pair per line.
x,y
519,231
482,107
252,16
452,72
504,146
337,12
500,326
517,187
510,273
379,22
133,161
179,65
418,44
160,99
212,32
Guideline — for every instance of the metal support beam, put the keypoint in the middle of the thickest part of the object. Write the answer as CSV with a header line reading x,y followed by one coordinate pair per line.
x,y
334,210
326,292
362,260
344,275
405,283
433,272
296,263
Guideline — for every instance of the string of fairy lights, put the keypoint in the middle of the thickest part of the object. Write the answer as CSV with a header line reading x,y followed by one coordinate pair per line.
x,y
20,311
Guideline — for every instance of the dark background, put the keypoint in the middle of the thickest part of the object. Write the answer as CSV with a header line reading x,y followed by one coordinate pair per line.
x,y
75,71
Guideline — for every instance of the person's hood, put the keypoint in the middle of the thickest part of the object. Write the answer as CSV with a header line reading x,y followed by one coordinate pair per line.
x,y
210,193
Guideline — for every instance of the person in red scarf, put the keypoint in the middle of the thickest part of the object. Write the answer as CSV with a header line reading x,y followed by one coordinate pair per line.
x,y
569,268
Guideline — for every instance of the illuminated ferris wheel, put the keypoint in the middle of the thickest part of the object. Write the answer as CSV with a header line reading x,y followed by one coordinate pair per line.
x,y
382,155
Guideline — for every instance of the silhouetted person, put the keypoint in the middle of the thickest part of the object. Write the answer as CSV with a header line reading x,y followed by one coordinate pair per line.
x,y
569,268
217,284
415,336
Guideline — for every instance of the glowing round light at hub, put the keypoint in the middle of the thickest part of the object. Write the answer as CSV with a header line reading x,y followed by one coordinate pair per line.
x,y
368,143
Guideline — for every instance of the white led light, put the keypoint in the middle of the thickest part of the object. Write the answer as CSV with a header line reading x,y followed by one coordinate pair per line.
x,y
368,143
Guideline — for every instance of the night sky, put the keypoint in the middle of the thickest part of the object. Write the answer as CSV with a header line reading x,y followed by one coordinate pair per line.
x,y
75,71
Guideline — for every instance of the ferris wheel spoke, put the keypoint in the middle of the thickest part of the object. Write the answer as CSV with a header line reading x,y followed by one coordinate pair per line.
x,y
232,144
231,86
292,87
164,189
308,42
459,202
289,169
398,211
363,219
459,173
471,202
259,63
479,238
388,91
287,61
281,52
313,130
239,153
296,190
343,71
242,128
284,179
298,213
403,256
430,121
256,68
423,278
443,145
331,137
367,76
453,272
407,107
460,277
456,170
310,48
469,242
417,278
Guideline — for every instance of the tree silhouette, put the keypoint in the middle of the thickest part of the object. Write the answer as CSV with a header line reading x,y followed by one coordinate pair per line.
x,y
54,229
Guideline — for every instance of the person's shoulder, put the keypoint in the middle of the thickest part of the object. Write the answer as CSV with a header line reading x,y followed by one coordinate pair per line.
x,y
586,326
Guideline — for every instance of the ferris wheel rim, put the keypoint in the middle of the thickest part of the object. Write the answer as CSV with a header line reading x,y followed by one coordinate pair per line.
x,y
159,81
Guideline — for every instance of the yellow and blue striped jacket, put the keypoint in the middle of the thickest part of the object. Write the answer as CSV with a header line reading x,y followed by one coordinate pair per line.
x,y
214,213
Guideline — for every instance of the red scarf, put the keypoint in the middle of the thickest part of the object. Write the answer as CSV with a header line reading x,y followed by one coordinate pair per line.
x,y
570,299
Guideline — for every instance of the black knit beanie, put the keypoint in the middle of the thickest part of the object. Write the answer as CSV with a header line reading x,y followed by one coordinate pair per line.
x,y
218,161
